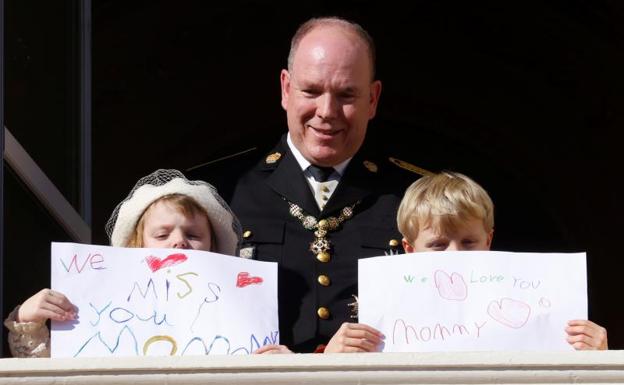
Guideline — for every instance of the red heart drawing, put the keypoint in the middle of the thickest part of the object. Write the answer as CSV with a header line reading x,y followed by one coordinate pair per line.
x,y
509,312
451,287
156,263
243,279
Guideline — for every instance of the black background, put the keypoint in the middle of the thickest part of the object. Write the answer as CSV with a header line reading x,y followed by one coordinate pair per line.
x,y
524,96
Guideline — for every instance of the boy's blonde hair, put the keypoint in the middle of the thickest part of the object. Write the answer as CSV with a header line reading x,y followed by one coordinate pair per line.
x,y
184,204
443,201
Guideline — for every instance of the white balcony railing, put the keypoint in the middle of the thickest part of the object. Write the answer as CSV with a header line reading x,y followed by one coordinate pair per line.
x,y
374,368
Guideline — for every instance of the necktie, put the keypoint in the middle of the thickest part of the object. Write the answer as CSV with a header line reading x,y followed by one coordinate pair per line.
x,y
320,174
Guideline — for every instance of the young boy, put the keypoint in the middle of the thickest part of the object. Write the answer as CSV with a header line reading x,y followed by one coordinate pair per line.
x,y
446,211
449,211
163,210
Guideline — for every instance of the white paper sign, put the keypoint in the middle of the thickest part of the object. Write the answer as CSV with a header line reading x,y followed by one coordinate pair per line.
x,y
135,302
473,300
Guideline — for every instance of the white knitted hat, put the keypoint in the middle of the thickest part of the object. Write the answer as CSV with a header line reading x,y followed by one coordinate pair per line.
x,y
148,189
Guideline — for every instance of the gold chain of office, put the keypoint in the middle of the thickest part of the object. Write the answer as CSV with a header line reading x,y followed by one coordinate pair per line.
x,y
321,246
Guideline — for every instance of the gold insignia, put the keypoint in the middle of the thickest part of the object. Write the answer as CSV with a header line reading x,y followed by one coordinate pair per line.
x,y
410,167
321,246
272,158
370,166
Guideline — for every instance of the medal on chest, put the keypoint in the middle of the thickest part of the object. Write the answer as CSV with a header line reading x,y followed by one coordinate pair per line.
x,y
321,246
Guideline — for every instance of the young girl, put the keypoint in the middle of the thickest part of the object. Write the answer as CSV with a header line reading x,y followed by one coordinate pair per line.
x,y
163,210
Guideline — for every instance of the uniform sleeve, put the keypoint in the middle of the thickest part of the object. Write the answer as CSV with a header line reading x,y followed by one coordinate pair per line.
x,y
27,339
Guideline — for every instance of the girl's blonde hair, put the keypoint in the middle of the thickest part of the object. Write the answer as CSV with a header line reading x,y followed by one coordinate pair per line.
x,y
443,201
186,205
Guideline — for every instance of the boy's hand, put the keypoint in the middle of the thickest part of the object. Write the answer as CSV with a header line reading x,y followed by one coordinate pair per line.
x,y
354,338
586,335
273,349
46,304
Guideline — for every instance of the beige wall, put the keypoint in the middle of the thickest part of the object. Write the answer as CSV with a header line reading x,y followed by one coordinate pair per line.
x,y
374,368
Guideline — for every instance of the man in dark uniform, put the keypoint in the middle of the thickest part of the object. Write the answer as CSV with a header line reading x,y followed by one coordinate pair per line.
x,y
316,203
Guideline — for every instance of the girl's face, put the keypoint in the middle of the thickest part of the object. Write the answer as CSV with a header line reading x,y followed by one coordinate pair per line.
x,y
166,227
471,235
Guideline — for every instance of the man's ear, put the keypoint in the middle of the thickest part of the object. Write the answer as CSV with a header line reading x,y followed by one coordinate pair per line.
x,y
489,240
407,246
285,85
375,92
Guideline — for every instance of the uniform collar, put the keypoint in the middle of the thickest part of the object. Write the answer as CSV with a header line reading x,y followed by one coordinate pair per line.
x,y
304,163
288,180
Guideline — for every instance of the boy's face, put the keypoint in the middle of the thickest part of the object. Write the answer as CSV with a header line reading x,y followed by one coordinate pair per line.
x,y
165,226
469,235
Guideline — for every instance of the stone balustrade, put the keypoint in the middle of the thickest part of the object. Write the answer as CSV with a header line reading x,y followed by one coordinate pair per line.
x,y
373,368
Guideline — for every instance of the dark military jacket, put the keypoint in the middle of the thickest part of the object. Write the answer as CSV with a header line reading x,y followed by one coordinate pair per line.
x,y
314,295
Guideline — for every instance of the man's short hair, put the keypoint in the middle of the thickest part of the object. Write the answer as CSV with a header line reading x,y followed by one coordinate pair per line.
x,y
332,21
443,200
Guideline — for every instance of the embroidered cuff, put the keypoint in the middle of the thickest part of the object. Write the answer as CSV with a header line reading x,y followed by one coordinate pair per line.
x,y
27,339
22,327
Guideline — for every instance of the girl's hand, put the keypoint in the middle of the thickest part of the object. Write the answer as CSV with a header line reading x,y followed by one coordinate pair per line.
x,y
273,349
46,304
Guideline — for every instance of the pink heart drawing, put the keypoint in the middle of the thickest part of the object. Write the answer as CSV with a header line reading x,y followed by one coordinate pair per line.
x,y
156,263
509,312
451,287
244,279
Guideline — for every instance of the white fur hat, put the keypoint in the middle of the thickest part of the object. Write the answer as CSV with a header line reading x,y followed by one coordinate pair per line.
x,y
148,189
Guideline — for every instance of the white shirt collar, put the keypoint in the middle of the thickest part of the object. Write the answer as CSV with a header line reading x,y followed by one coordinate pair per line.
x,y
304,163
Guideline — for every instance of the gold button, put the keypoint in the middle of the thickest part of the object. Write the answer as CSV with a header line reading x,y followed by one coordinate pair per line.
x,y
323,312
393,243
247,234
325,189
324,197
323,256
323,280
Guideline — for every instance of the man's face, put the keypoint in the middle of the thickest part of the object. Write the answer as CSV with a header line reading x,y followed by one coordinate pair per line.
x,y
328,95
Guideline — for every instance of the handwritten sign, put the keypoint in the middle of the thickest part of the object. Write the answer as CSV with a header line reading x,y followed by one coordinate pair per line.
x,y
135,302
473,300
